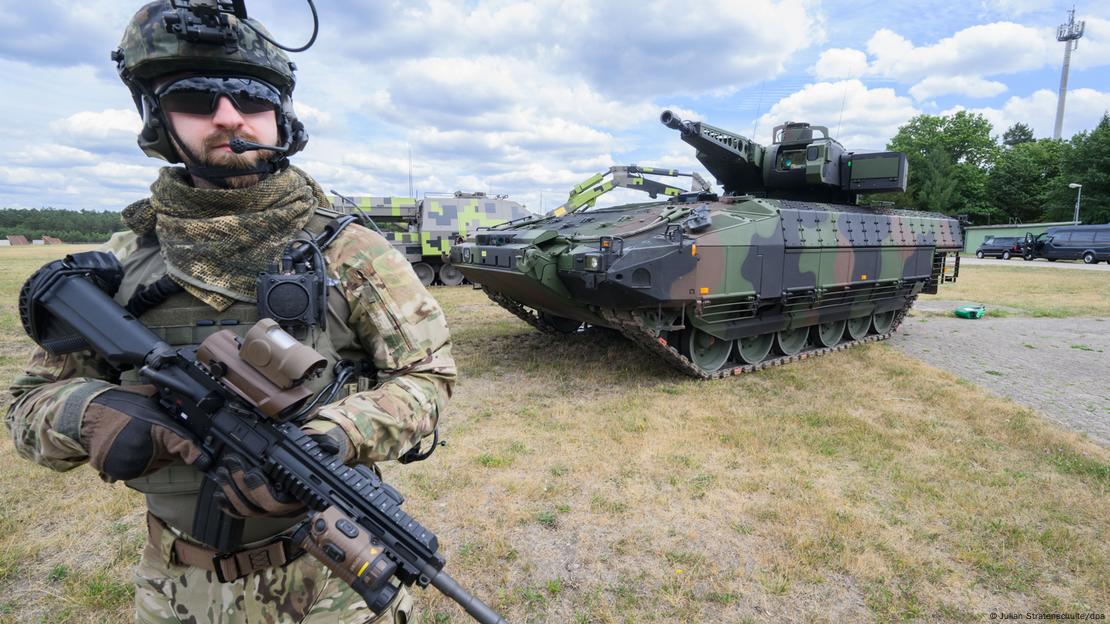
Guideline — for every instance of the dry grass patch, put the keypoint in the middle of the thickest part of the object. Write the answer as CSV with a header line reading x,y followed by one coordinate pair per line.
x,y
585,482
1032,291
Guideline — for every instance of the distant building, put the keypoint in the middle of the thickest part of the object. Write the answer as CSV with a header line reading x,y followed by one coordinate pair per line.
x,y
5,243
18,239
38,241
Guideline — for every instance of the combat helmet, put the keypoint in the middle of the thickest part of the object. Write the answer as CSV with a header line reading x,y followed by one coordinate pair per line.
x,y
163,39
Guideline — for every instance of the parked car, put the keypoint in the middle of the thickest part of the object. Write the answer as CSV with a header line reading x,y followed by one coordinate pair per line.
x,y
1000,247
1089,243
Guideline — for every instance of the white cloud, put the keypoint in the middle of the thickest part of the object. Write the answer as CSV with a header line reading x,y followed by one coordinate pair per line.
x,y
961,63
972,86
99,125
840,63
1094,46
53,155
867,118
1083,110
986,49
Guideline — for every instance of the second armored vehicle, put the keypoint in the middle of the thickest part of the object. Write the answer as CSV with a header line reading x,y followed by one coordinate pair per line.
x,y
424,230
783,265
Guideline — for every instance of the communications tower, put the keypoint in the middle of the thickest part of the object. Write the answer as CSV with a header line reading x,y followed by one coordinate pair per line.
x,y
1068,33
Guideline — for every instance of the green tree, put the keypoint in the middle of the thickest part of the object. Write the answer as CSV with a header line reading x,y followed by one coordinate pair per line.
x,y
964,139
1017,134
1024,177
1086,161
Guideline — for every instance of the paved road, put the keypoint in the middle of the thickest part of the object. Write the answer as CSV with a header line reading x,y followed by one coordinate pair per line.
x,y
1037,264
1059,367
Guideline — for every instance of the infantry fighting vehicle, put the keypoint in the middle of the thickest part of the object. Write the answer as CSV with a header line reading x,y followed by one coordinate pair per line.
x,y
782,266
424,230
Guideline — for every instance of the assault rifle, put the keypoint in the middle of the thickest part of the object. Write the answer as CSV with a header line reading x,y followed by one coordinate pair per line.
x,y
233,397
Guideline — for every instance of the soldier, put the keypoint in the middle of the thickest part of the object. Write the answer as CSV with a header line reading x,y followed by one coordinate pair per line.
x,y
191,256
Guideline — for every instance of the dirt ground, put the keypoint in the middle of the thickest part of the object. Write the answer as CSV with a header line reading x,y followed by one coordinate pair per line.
x,y
1059,367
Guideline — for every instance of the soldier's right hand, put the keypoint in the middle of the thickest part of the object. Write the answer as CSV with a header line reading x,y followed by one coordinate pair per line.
x,y
128,436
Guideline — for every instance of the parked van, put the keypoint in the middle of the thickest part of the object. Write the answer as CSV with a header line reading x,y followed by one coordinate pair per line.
x,y
1091,243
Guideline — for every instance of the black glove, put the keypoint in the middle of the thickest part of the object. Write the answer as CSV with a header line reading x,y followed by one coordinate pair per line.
x,y
127,435
247,491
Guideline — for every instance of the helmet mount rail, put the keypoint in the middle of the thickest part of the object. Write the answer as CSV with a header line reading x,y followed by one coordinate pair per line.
x,y
206,22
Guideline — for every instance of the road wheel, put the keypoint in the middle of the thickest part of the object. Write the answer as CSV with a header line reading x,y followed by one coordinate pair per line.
x,y
979,255
706,351
1052,259
450,275
791,341
1005,255
882,321
1027,257
753,349
857,327
424,272
1089,258
828,334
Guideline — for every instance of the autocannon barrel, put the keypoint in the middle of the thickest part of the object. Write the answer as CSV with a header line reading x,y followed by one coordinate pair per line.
x,y
673,121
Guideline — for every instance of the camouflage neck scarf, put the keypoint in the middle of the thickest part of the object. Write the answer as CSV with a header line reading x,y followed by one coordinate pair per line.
x,y
216,241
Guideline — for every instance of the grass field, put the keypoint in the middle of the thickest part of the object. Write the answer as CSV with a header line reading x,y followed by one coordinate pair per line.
x,y
584,482
1038,291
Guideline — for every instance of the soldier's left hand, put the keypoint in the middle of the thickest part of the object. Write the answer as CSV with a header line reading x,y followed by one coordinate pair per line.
x,y
247,491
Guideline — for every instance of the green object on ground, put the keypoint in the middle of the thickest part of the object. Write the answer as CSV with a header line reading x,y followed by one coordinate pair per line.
x,y
971,311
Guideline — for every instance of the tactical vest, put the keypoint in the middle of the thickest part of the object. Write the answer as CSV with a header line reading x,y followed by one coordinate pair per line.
x,y
182,320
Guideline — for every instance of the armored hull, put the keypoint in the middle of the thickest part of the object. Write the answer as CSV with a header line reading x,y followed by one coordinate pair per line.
x,y
719,286
782,266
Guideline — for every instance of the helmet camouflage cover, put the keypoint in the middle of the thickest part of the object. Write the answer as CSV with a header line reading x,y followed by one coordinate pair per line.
x,y
149,51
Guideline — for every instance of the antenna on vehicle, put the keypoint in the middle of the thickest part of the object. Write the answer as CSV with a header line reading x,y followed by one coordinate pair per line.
x,y
842,101
411,191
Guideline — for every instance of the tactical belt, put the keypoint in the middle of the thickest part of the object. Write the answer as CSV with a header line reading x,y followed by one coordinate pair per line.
x,y
227,567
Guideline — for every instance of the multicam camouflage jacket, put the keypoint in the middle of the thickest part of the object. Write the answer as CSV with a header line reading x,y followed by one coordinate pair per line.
x,y
377,310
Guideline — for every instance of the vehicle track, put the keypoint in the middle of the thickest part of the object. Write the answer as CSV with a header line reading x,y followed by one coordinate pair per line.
x,y
651,341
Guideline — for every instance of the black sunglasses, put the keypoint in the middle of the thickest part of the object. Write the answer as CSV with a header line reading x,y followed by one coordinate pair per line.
x,y
199,95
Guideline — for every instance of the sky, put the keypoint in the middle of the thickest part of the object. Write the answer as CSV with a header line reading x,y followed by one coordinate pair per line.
x,y
529,98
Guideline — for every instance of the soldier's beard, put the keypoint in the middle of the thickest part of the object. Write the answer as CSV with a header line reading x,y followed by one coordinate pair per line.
x,y
212,155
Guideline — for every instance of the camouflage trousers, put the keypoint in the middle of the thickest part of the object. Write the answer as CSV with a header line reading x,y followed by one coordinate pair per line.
x,y
301,591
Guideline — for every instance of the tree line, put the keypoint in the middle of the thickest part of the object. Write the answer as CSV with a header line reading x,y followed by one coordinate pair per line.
x,y
957,167
71,226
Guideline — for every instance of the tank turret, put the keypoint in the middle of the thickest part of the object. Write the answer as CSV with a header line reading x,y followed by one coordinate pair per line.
x,y
803,162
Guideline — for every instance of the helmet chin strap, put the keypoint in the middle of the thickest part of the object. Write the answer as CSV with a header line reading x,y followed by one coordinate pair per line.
x,y
218,175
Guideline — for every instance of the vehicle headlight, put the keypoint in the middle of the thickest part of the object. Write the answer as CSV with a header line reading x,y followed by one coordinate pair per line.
x,y
593,262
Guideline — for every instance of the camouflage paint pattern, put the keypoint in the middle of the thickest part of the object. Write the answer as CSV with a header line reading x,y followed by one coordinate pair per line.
x,y
302,591
797,253
425,229
379,310
149,50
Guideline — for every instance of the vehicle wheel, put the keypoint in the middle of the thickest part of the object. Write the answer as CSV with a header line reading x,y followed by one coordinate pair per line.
x,y
828,334
706,351
561,324
450,275
1052,259
752,349
1089,258
979,255
882,321
424,272
1027,257
857,327
791,341
1005,255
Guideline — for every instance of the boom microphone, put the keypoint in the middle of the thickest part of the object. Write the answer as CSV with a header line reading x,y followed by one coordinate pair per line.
x,y
239,146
